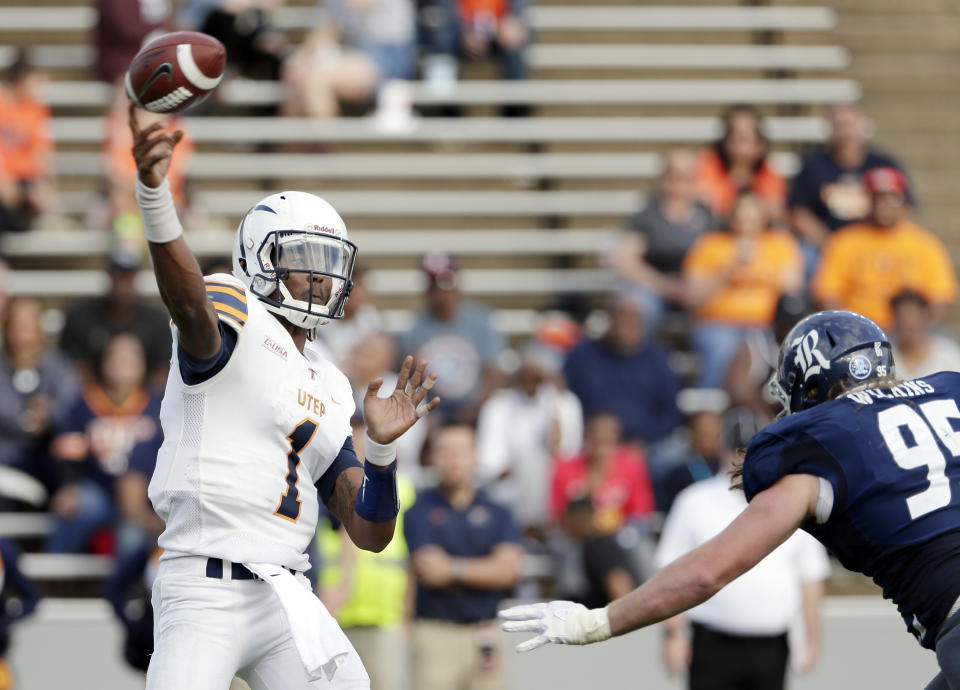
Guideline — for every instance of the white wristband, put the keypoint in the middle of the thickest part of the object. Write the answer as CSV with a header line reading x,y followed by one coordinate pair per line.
x,y
160,222
378,454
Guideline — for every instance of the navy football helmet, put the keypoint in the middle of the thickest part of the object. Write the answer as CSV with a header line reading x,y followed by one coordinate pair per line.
x,y
826,349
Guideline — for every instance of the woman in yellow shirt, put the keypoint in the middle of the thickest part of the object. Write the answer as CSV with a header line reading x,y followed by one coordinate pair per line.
x,y
733,280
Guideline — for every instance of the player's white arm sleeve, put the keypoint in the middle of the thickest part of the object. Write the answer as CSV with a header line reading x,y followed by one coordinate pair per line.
x,y
824,501
559,622
160,222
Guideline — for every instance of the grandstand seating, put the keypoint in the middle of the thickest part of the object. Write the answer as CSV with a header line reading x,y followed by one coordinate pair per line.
x,y
365,166
593,56
74,18
459,131
534,92
529,203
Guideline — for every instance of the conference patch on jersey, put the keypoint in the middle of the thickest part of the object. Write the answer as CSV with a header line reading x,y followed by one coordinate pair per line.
x,y
229,301
860,367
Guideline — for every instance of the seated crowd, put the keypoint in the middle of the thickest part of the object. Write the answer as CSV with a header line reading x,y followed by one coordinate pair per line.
x,y
573,445
720,263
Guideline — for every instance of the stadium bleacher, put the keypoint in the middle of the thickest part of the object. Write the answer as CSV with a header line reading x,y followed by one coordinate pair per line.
x,y
531,205
542,193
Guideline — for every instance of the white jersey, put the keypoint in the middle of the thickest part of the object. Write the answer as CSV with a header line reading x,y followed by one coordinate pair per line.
x,y
242,450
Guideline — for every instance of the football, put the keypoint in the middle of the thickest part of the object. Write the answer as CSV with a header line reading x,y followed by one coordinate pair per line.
x,y
175,71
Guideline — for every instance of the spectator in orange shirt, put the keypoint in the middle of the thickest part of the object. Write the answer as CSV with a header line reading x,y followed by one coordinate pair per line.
x,y
26,183
864,265
738,163
734,279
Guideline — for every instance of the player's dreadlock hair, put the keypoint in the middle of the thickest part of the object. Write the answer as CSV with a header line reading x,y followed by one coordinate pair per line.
x,y
840,388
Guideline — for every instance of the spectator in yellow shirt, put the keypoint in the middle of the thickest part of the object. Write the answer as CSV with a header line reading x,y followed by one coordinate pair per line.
x,y
864,265
734,280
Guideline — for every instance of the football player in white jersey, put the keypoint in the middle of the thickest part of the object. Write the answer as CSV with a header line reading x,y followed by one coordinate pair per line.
x,y
256,433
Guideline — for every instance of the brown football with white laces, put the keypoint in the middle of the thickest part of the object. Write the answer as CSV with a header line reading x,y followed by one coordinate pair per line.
x,y
175,71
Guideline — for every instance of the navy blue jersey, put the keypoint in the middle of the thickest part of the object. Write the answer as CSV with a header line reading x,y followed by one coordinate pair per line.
x,y
471,533
892,456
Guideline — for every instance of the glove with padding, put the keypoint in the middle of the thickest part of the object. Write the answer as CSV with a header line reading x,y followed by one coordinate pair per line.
x,y
559,622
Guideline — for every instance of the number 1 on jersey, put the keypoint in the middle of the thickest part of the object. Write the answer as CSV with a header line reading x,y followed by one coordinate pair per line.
x,y
289,507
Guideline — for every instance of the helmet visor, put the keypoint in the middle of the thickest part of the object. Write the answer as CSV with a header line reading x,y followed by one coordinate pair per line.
x,y
311,254
315,252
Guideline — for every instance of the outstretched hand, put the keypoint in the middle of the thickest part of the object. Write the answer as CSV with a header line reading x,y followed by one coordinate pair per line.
x,y
559,622
152,149
388,418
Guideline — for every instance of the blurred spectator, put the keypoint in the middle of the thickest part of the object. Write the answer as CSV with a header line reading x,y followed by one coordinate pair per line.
x,y
121,211
740,635
138,525
918,349
372,357
357,47
361,319
650,254
366,593
37,386
128,589
91,324
27,188
474,29
829,192
122,28
612,475
734,281
129,586
254,47
457,337
756,361
18,599
464,558
522,428
608,566
94,442
738,163
627,373
702,460
864,265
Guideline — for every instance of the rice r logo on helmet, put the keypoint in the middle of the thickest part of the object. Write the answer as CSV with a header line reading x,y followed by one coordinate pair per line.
x,y
808,357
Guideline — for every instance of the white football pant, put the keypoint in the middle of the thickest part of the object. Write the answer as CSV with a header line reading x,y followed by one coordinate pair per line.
x,y
208,630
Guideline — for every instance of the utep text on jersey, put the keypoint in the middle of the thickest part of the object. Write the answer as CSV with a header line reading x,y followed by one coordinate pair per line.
x,y
239,446
892,458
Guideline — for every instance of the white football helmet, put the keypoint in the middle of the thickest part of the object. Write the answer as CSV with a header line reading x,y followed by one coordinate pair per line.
x,y
295,232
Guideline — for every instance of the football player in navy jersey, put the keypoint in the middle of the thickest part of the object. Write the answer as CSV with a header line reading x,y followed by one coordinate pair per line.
x,y
866,463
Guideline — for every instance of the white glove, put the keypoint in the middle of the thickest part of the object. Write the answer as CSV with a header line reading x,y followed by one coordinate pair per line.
x,y
560,622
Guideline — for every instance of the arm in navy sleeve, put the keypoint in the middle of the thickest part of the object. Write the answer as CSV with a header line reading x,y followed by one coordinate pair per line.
x,y
772,456
347,457
194,370
339,487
